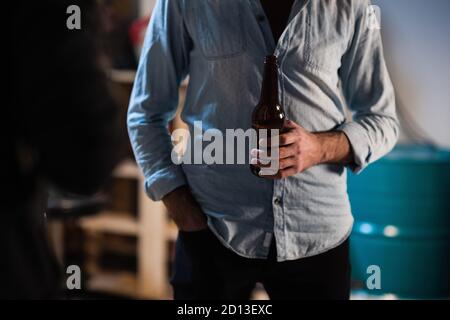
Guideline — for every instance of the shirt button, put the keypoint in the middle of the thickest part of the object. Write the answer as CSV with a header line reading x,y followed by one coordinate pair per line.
x,y
277,201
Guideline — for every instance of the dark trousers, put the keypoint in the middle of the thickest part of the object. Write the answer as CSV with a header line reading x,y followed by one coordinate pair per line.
x,y
205,269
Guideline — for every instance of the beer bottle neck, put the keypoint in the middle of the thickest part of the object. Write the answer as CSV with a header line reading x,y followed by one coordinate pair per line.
x,y
269,90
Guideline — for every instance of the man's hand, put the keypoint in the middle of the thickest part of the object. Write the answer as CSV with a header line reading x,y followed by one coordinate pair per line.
x,y
184,210
300,150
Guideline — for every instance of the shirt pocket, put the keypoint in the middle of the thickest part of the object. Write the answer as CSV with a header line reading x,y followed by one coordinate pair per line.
x,y
326,42
218,28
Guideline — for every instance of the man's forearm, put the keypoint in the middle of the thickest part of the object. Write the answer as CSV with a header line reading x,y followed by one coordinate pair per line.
x,y
335,147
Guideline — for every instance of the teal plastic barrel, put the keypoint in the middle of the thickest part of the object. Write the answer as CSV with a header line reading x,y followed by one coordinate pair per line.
x,y
401,206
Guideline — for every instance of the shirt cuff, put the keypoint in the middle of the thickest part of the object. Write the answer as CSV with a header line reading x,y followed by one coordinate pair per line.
x,y
164,181
358,141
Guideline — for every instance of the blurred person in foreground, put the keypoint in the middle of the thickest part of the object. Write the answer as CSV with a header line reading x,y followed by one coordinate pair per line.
x,y
64,136
289,231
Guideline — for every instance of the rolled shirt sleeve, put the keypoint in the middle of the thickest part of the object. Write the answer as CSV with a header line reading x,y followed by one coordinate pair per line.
x,y
154,99
369,93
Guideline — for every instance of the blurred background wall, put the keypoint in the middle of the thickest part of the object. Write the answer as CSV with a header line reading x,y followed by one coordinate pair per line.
x,y
417,47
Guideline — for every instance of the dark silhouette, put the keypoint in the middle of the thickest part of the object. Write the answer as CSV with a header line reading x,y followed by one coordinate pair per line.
x,y
63,136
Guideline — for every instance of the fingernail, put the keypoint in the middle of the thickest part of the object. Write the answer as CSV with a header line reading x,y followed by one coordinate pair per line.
x,y
254,152
254,161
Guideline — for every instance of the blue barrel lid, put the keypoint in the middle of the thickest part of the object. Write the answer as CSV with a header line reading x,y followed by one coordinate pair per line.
x,y
418,154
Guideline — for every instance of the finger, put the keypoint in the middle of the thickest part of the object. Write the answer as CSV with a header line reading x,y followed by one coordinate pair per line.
x,y
287,163
268,172
287,151
268,163
288,172
255,153
283,152
284,139
260,155
287,138
261,163
282,174
270,154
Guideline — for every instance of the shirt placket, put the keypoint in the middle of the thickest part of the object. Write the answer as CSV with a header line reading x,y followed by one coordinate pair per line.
x,y
279,49
277,197
264,26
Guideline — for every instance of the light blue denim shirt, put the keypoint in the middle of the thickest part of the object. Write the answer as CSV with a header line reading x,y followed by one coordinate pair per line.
x,y
330,58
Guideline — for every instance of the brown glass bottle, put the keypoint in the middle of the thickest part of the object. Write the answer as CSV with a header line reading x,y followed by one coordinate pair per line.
x,y
268,113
